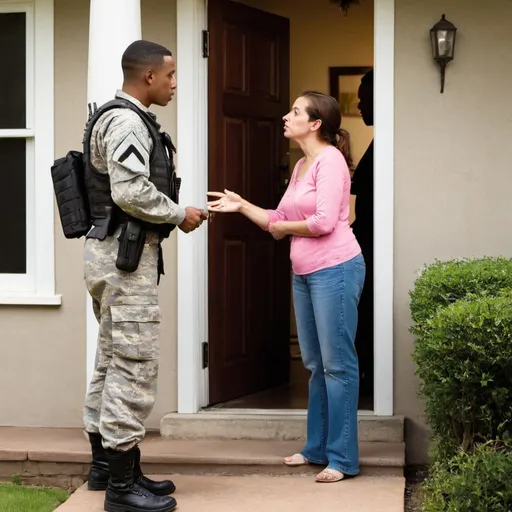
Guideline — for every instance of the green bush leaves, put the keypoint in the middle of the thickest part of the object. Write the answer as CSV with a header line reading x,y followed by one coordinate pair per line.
x,y
462,313
471,482
464,361
443,283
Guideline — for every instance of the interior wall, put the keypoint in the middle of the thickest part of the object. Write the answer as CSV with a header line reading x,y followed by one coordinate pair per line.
x,y
322,37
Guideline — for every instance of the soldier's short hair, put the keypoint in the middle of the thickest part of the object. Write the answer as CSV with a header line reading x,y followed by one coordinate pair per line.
x,y
142,54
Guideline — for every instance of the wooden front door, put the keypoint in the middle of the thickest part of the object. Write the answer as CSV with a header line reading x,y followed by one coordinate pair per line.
x,y
249,272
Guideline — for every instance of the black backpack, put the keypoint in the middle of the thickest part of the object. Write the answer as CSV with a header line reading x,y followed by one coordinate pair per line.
x,y
68,175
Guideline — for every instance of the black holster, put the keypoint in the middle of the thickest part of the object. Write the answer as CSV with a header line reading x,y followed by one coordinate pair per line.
x,y
131,245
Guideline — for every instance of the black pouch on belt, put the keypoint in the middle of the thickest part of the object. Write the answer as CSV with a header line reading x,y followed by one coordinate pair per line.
x,y
131,245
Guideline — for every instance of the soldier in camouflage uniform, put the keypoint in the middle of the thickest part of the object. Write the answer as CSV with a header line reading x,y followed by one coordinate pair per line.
x,y
122,391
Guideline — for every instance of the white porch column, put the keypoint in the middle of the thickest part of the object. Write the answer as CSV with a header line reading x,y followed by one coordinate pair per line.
x,y
113,25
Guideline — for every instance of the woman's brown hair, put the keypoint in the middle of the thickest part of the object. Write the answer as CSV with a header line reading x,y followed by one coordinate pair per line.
x,y
325,108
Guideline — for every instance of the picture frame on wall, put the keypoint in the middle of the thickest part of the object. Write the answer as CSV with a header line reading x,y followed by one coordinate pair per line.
x,y
343,86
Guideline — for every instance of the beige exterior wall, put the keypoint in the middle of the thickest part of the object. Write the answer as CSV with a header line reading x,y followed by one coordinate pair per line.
x,y
452,159
452,183
43,372
43,361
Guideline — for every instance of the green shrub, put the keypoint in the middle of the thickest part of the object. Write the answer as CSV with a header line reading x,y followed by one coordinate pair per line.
x,y
471,482
464,360
443,283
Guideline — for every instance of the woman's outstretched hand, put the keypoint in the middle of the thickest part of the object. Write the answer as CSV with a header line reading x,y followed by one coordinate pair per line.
x,y
228,202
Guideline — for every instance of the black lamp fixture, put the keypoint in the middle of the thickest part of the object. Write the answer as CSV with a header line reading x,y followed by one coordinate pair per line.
x,y
345,4
442,35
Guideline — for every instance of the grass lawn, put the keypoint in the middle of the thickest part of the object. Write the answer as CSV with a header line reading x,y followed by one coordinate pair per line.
x,y
16,498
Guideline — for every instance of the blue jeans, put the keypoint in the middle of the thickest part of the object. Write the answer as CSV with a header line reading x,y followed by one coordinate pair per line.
x,y
326,312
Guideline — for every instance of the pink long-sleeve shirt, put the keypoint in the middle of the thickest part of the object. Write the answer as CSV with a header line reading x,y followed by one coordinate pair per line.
x,y
322,198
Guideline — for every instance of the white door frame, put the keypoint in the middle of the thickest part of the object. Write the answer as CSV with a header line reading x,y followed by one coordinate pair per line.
x,y
384,160
193,165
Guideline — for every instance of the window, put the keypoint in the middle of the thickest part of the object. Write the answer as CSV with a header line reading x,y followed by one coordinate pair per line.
x,y
26,153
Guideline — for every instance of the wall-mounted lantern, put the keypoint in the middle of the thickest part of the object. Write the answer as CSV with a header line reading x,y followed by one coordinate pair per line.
x,y
442,35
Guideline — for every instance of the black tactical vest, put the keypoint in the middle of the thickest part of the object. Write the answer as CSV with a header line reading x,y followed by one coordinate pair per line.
x,y
106,216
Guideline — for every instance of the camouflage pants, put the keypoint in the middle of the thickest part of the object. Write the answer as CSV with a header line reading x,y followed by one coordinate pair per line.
x,y
122,392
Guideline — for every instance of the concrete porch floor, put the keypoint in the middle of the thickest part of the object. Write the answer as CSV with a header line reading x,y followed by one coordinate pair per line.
x,y
46,452
210,474
271,494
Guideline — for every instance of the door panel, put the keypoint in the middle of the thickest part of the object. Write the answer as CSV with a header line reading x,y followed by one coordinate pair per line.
x,y
249,272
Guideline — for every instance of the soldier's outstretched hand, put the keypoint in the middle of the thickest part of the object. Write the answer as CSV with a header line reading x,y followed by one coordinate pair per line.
x,y
193,219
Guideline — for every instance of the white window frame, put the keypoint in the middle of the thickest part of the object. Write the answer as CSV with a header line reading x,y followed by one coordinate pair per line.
x,y
37,285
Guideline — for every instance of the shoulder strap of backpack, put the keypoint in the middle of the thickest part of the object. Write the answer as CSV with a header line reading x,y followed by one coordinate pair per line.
x,y
95,115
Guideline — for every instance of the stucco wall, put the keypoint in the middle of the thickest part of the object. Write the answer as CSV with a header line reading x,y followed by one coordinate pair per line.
x,y
452,159
42,377
452,183
43,368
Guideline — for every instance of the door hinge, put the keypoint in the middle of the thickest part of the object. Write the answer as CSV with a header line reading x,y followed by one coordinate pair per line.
x,y
206,355
206,44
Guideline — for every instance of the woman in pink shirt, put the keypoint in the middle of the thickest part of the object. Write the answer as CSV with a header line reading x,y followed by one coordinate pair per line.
x,y
329,273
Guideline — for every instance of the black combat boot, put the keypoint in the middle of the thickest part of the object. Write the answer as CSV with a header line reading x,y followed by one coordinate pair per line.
x,y
100,472
123,494
162,488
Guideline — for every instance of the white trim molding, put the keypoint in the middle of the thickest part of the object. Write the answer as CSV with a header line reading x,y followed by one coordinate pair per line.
x,y
384,205
17,133
30,300
192,248
37,285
